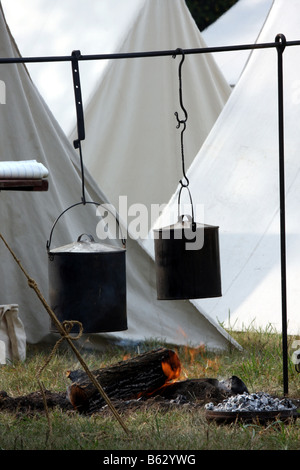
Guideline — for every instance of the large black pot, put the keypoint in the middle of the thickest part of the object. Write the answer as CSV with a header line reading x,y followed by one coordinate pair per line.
x,y
87,283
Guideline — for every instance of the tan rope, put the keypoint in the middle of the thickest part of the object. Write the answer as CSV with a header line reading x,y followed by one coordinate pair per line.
x,y
67,325
65,333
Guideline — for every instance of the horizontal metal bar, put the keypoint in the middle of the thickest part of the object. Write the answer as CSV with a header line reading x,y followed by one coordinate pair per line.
x,y
132,55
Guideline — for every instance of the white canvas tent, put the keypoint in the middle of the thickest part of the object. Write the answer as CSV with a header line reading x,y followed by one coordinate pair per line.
x,y
29,131
241,24
56,28
236,176
132,146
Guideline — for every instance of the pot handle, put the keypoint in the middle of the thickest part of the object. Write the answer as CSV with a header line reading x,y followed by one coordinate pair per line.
x,y
189,217
78,204
86,235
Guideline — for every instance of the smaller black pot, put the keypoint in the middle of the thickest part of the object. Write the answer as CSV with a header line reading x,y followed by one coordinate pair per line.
x,y
187,261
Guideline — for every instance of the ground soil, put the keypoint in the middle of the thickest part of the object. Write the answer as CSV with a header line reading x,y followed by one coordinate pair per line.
x,y
195,395
192,393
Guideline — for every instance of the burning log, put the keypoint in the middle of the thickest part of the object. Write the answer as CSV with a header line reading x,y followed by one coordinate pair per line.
x,y
130,379
152,374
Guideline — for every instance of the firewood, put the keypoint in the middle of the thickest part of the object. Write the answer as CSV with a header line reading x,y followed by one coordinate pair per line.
x,y
126,380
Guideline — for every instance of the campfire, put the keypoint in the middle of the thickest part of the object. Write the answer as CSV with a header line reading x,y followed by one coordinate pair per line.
x,y
155,376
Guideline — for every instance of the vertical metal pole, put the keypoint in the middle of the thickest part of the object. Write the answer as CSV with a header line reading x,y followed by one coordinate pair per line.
x,y
281,41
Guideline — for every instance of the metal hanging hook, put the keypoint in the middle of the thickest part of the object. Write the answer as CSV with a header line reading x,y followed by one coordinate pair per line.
x,y
79,113
181,122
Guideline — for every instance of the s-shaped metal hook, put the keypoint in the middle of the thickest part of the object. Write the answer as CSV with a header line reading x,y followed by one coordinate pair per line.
x,y
184,120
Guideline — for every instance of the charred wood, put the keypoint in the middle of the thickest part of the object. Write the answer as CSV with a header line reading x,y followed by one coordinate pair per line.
x,y
128,379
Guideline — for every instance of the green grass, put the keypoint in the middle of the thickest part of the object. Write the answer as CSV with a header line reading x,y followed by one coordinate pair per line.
x,y
259,365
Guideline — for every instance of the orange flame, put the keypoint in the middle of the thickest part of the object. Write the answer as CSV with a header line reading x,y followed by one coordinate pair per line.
x,y
171,367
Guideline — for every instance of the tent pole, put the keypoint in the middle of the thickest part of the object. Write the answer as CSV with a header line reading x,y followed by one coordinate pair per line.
x,y
281,42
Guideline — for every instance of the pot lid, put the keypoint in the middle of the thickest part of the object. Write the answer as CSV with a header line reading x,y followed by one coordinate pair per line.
x,y
87,246
186,225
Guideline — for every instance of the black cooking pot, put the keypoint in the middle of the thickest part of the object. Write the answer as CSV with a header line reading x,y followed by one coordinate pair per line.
x,y
187,258
87,283
187,261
